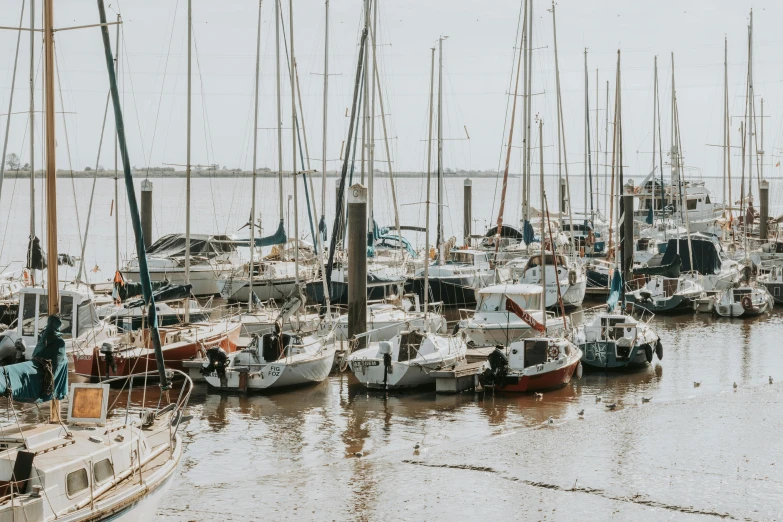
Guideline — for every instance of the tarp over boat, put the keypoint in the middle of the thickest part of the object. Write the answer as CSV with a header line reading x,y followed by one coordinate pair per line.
x,y
671,270
173,245
162,294
706,260
46,376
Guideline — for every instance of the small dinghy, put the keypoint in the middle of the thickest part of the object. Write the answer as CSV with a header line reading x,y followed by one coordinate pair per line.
x,y
744,301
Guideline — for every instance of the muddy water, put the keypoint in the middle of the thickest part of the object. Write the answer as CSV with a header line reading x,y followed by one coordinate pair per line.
x,y
691,452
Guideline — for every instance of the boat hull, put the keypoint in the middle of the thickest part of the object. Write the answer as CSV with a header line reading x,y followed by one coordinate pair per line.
x,y
556,378
203,278
675,304
775,290
603,355
451,291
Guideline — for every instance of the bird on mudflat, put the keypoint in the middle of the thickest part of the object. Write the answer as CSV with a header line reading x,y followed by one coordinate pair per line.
x,y
611,406
581,413
551,420
770,379
696,384
735,385
538,395
597,398
646,399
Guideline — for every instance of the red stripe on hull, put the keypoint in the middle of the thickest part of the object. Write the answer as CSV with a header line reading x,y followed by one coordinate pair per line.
x,y
543,381
88,364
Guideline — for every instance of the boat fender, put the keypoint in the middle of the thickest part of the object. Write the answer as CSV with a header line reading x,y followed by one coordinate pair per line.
x,y
571,277
659,349
747,302
456,329
217,358
579,370
7,351
648,351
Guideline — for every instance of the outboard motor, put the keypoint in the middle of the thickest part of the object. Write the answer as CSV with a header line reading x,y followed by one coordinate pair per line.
x,y
108,355
12,349
498,368
218,358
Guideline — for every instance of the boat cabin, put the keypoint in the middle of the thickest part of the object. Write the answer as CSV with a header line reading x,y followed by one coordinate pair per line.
x,y
537,351
77,312
493,298
473,258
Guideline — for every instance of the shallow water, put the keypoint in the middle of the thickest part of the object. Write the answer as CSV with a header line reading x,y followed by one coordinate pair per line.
x,y
704,451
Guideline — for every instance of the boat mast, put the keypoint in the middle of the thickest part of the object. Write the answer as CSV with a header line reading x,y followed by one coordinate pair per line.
x,y
255,156
326,114
525,127
440,241
32,129
278,103
498,232
655,106
683,195
588,152
116,155
606,151
429,190
53,291
726,135
587,139
293,148
597,149
660,140
543,223
751,125
371,130
560,131
528,113
187,160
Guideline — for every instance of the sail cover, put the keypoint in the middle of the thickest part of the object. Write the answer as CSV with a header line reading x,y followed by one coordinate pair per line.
x,y
706,260
278,238
616,290
46,376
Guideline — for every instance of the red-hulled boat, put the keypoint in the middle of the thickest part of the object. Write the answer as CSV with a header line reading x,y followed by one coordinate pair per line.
x,y
532,365
133,353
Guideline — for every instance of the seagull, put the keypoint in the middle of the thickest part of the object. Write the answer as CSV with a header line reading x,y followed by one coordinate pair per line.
x,y
551,420
770,379
611,406
696,384
359,454
581,413
646,399
735,385
538,395
597,398
417,446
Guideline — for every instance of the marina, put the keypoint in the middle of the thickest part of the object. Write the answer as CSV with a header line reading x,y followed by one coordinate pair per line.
x,y
357,323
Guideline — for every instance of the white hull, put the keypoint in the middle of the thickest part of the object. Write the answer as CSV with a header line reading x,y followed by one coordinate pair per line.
x,y
239,289
497,334
203,278
402,375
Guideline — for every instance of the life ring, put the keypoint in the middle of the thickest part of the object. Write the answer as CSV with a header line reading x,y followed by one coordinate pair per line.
x,y
572,277
747,302
553,352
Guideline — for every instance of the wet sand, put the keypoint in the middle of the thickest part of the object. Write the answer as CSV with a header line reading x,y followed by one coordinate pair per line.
x,y
690,453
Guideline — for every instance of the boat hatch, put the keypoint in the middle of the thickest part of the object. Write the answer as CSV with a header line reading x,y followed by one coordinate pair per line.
x,y
739,293
410,342
273,345
535,352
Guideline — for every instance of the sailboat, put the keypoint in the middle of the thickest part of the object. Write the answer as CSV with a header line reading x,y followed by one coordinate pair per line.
x,y
66,469
276,359
407,359
540,362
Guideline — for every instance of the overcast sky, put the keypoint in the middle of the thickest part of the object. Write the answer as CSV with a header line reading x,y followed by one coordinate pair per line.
x,y
477,68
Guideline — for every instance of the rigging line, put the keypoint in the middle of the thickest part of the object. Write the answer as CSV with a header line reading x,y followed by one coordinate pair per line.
x,y
133,95
207,136
505,117
11,99
67,143
162,86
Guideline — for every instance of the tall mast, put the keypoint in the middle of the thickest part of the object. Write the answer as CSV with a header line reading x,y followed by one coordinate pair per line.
x,y
187,160
752,108
543,223
560,130
278,102
429,190
440,150
525,126
726,133
655,106
255,156
371,130
597,146
52,289
116,155
606,151
32,125
528,100
293,145
365,96
498,232
588,152
326,111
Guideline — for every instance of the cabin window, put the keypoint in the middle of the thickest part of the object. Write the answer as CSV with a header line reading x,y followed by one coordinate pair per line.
x,y
66,315
43,312
692,204
102,471
86,316
28,315
535,353
76,482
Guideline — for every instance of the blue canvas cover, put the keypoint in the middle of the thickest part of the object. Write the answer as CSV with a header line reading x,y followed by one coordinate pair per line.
x,y
615,291
27,380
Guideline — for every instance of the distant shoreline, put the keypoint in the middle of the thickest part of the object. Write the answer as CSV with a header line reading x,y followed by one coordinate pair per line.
x,y
204,173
